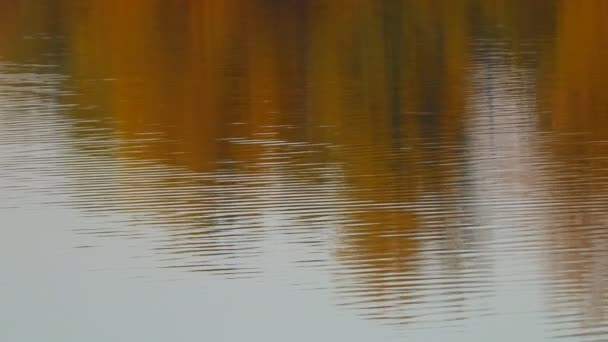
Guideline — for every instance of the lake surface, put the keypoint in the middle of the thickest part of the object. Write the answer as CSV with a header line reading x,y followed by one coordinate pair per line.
x,y
261,170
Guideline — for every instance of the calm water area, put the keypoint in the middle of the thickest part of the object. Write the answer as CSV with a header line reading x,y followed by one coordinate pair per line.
x,y
261,170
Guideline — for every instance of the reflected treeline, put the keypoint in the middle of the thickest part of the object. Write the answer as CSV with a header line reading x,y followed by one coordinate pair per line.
x,y
374,90
574,104
578,72
328,117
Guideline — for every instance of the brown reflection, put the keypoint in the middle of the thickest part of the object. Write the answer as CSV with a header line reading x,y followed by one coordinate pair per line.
x,y
27,32
229,123
373,91
167,86
275,94
576,107
580,76
194,72
389,84
9,13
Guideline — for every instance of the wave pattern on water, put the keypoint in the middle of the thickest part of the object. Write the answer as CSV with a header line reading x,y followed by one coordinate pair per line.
x,y
425,183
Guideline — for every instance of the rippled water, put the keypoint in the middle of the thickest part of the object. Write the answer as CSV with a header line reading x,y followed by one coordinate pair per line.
x,y
298,171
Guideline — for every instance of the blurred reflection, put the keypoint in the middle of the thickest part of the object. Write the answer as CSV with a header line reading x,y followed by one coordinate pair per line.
x,y
431,158
576,107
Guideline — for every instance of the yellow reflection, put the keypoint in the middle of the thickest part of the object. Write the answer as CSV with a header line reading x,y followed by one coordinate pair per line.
x,y
576,103
579,102
381,84
387,86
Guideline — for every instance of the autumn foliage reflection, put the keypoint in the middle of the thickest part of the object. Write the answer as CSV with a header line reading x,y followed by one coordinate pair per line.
x,y
380,84
374,91
575,97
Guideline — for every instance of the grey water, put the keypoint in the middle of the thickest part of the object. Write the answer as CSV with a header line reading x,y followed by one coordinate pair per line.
x,y
303,171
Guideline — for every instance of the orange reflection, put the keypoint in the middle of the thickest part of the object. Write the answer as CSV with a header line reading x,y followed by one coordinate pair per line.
x,y
577,109
381,86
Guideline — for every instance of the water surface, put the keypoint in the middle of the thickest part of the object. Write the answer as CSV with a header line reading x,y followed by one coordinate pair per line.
x,y
303,170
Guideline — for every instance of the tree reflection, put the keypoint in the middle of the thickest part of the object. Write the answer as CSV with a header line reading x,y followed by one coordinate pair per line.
x,y
329,117
575,106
